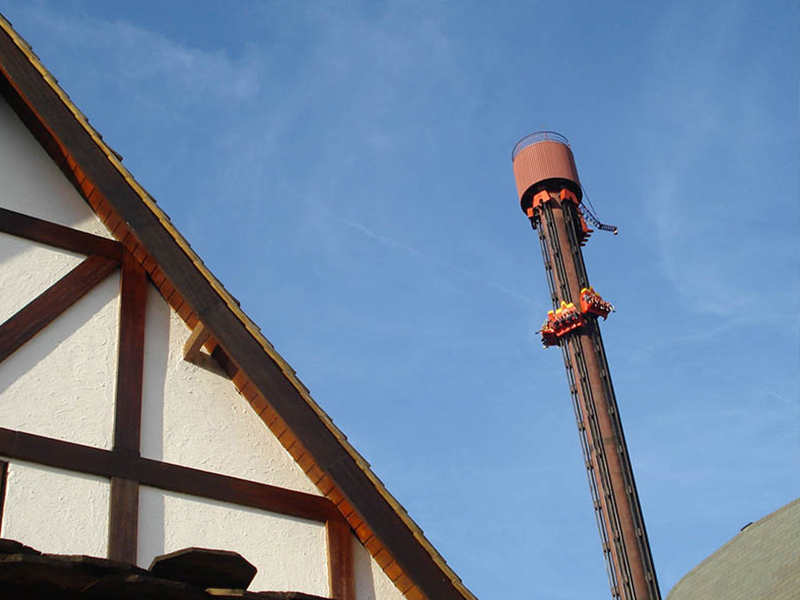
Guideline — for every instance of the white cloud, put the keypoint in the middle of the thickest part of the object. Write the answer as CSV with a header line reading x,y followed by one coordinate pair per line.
x,y
392,243
137,57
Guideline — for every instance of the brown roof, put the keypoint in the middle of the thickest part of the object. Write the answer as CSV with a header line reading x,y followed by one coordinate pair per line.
x,y
260,374
28,573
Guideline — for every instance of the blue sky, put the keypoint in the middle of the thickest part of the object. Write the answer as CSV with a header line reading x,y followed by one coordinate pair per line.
x,y
344,168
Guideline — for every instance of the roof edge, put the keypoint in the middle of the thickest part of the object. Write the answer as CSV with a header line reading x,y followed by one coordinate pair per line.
x,y
233,306
745,531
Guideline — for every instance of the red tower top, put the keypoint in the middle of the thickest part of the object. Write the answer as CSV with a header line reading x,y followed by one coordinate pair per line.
x,y
544,159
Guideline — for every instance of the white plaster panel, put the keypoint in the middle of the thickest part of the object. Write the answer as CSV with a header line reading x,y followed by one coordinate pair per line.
x,y
61,383
32,184
371,582
195,417
290,554
27,269
55,511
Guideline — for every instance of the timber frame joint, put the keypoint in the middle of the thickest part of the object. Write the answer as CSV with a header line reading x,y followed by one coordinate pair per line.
x,y
210,359
192,349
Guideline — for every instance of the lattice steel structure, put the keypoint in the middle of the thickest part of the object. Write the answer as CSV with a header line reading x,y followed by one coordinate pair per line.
x,y
551,196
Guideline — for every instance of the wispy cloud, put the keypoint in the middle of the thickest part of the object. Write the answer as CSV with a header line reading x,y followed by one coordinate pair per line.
x,y
138,57
779,398
392,243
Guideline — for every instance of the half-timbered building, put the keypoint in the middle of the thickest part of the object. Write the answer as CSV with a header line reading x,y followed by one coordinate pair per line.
x,y
141,411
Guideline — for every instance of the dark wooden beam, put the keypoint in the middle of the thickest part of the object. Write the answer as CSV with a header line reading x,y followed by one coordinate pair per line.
x,y
165,476
123,525
128,472
3,482
58,236
193,346
130,365
340,561
238,343
123,532
52,303
193,351
224,361
30,90
329,454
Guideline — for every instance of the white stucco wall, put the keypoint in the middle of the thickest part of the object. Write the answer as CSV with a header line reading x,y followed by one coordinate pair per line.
x,y
371,582
56,511
196,418
31,183
61,383
289,553
27,269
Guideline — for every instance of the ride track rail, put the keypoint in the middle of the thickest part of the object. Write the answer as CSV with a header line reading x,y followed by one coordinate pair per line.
x,y
616,555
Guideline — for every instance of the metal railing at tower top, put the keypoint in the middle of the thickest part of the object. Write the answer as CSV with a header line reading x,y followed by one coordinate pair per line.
x,y
539,136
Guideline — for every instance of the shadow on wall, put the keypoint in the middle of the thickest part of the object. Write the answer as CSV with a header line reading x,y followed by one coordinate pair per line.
x,y
362,565
33,184
156,357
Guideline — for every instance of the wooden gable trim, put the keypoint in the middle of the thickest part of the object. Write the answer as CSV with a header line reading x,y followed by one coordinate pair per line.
x,y
123,206
103,210
324,483
191,349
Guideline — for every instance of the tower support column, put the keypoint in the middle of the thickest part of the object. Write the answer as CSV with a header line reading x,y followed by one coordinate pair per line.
x,y
550,193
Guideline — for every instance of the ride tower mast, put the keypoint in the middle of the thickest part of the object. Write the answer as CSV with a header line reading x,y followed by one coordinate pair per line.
x,y
551,196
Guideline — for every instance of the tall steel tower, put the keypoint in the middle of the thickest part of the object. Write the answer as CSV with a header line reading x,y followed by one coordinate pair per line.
x,y
551,196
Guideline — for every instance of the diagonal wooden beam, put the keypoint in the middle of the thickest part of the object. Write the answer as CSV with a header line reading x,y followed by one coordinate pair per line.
x,y
216,361
192,347
46,308
33,96
58,236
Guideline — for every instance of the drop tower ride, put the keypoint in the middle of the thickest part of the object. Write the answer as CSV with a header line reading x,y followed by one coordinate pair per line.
x,y
551,196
